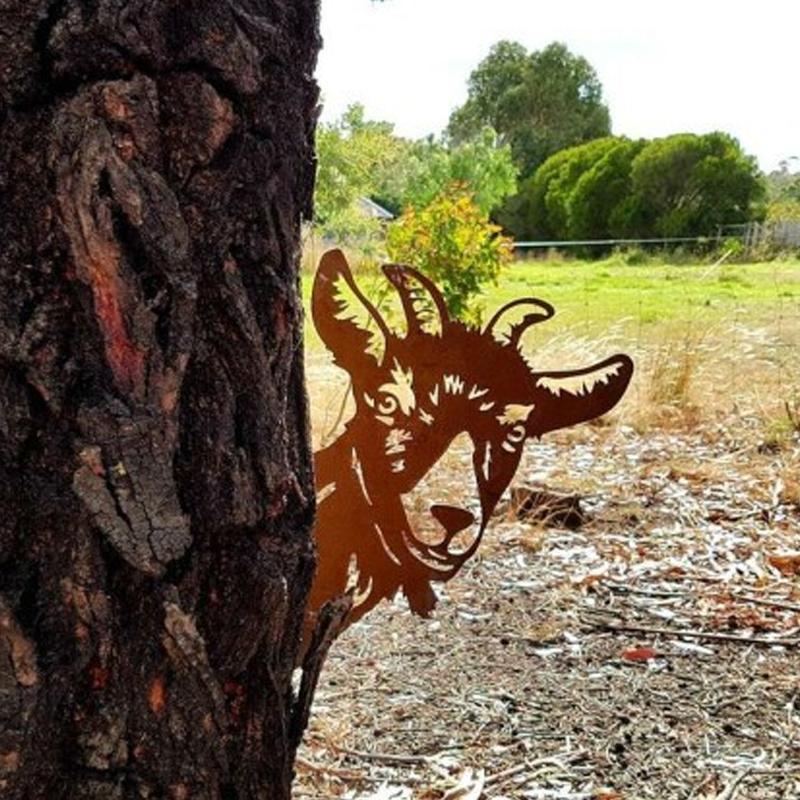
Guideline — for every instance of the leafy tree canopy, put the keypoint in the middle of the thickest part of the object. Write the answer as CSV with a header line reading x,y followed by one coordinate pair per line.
x,y
355,156
688,184
681,185
783,211
783,184
539,102
481,165
364,158
541,209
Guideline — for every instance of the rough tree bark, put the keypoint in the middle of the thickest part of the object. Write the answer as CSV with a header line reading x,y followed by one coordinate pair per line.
x,y
156,159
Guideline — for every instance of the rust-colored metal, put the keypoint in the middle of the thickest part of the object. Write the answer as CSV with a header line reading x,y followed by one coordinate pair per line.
x,y
414,394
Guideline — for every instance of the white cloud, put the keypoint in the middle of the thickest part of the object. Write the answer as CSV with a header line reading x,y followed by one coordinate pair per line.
x,y
682,65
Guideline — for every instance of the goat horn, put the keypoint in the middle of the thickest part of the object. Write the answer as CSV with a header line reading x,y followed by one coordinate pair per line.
x,y
545,312
400,277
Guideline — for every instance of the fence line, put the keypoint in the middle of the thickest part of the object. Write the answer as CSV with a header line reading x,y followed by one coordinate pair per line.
x,y
611,242
783,233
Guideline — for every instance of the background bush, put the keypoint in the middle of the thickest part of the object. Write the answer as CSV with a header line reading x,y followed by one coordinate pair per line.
x,y
453,242
677,186
483,165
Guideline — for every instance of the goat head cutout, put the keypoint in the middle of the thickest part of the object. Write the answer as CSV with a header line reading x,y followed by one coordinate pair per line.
x,y
414,394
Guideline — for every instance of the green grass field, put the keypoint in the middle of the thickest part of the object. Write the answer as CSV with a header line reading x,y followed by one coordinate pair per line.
x,y
605,291
648,301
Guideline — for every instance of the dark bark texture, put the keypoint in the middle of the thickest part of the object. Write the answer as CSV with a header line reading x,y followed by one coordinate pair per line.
x,y
156,492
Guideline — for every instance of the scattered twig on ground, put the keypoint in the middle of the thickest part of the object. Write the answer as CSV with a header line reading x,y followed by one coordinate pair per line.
x,y
625,627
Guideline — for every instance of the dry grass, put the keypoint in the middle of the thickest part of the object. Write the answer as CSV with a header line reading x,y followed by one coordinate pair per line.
x,y
693,489
708,344
673,371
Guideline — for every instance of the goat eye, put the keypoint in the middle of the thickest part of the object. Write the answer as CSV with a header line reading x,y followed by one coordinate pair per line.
x,y
517,434
388,405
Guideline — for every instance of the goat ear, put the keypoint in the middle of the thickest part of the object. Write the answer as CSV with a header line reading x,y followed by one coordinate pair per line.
x,y
513,319
566,398
349,324
423,304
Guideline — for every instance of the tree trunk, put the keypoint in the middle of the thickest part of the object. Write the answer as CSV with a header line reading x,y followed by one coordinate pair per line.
x,y
156,493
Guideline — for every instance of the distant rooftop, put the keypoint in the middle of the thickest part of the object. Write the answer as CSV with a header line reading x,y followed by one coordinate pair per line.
x,y
373,209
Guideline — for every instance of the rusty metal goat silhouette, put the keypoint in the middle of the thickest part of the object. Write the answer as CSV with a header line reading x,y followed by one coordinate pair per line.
x,y
414,394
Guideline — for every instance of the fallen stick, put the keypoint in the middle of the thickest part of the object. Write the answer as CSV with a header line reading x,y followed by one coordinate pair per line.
x,y
346,774
730,792
717,264
387,758
558,760
765,601
623,588
505,774
691,634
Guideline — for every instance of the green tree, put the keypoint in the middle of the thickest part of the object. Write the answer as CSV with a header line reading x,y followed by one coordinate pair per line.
x,y
355,157
601,191
688,184
364,158
783,184
783,211
682,185
486,168
503,69
539,103
541,209
453,242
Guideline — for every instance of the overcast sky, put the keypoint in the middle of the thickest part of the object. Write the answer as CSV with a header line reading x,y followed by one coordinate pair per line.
x,y
666,65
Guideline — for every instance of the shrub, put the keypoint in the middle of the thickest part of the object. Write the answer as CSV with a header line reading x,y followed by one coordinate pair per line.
x,y
481,164
541,208
602,189
687,185
679,186
454,243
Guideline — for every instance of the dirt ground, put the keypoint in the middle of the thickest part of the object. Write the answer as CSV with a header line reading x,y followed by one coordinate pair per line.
x,y
652,653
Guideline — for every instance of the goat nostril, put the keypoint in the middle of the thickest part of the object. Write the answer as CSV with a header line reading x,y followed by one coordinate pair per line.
x,y
452,519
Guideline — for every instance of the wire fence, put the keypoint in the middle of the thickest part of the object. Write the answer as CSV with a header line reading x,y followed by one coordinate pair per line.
x,y
559,243
781,233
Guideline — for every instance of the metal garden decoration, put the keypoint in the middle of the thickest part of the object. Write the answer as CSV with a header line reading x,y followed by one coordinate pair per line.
x,y
414,394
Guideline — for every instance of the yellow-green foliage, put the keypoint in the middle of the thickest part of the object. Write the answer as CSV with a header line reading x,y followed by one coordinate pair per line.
x,y
355,155
452,241
784,210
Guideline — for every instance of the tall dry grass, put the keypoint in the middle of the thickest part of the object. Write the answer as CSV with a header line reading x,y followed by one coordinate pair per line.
x,y
685,377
